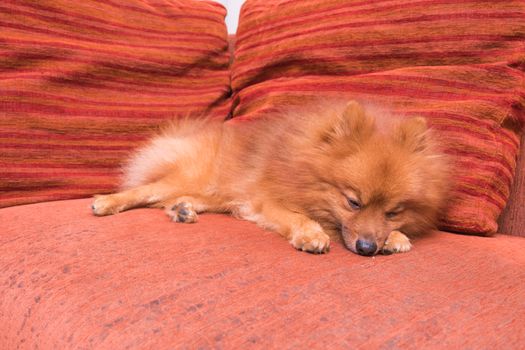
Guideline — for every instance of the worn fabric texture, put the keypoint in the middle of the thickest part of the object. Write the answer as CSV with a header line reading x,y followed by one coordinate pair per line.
x,y
83,82
136,280
458,64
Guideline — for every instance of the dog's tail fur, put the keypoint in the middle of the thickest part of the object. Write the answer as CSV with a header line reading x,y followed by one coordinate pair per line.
x,y
174,148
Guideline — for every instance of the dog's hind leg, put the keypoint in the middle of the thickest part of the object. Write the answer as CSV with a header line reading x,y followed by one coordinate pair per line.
x,y
182,212
185,209
141,196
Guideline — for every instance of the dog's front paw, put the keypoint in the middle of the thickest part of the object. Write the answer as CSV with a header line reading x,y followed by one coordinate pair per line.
x,y
311,238
396,242
105,205
183,212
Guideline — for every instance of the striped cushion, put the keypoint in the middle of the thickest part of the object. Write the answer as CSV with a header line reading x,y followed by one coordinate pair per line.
x,y
279,38
460,66
83,82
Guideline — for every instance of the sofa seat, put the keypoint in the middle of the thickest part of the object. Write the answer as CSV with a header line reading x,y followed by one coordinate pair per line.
x,y
136,280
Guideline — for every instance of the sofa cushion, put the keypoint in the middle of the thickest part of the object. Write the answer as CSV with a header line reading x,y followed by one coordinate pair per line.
x,y
459,66
83,82
136,280
277,38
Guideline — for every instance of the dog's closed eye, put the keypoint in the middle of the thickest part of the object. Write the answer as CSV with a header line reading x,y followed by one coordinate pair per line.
x,y
354,204
392,214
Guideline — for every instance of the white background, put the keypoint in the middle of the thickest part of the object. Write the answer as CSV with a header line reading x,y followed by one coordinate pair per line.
x,y
233,7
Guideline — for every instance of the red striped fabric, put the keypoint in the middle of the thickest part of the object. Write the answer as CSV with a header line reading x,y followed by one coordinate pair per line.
x,y
84,82
279,38
460,64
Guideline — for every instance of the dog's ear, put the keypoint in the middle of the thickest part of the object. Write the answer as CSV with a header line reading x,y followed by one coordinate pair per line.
x,y
413,133
353,122
358,123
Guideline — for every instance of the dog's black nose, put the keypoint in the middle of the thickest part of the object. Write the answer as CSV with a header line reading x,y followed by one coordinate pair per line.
x,y
365,247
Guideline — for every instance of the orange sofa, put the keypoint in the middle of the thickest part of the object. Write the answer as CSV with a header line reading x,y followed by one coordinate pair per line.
x,y
70,114
138,281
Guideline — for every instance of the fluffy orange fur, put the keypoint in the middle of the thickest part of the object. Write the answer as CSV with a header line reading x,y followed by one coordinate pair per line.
x,y
312,174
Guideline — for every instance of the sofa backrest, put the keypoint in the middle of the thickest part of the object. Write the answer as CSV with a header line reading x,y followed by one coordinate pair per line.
x,y
82,83
512,220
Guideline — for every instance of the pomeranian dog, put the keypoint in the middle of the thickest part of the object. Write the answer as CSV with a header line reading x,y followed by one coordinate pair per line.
x,y
312,174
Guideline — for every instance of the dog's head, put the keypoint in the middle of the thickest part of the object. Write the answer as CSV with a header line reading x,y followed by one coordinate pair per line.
x,y
380,179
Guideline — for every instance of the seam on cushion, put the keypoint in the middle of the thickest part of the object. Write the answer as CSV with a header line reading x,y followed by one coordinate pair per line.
x,y
517,111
